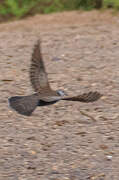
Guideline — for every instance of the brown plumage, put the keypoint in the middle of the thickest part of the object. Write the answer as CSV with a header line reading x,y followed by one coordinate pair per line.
x,y
44,95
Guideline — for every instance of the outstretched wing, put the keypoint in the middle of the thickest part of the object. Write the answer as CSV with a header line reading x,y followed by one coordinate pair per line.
x,y
38,75
86,97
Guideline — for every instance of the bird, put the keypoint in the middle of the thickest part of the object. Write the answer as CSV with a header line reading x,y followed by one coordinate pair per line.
x,y
43,93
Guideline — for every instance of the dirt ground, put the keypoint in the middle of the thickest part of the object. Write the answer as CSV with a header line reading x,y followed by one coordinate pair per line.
x,y
67,140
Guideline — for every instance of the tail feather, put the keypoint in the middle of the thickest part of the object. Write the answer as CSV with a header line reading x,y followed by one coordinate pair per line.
x,y
24,105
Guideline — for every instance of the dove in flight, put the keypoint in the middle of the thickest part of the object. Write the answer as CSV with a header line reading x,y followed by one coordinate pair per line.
x,y
44,94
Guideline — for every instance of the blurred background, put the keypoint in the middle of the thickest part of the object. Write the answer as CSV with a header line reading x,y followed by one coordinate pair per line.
x,y
17,9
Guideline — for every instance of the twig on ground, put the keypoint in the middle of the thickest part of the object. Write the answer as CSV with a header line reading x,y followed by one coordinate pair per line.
x,y
88,115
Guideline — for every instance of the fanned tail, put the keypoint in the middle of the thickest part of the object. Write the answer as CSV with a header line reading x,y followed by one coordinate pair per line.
x,y
24,105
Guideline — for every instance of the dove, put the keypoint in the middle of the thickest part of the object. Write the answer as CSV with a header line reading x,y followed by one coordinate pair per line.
x,y
43,93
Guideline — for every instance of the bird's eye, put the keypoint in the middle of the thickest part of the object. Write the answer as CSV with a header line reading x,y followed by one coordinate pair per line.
x,y
60,93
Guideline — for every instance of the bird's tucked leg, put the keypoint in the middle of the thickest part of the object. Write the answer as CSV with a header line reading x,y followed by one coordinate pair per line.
x,y
44,103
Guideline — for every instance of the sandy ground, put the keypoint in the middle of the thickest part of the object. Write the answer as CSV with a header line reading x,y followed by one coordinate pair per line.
x,y
68,140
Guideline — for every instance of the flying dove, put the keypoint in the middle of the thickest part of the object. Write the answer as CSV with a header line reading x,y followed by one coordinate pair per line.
x,y
44,94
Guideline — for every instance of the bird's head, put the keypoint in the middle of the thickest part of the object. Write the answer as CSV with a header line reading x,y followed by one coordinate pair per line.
x,y
61,93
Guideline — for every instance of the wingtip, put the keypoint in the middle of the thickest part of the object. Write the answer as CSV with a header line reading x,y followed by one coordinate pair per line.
x,y
36,49
38,42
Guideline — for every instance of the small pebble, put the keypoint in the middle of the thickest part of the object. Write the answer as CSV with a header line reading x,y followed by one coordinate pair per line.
x,y
109,157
